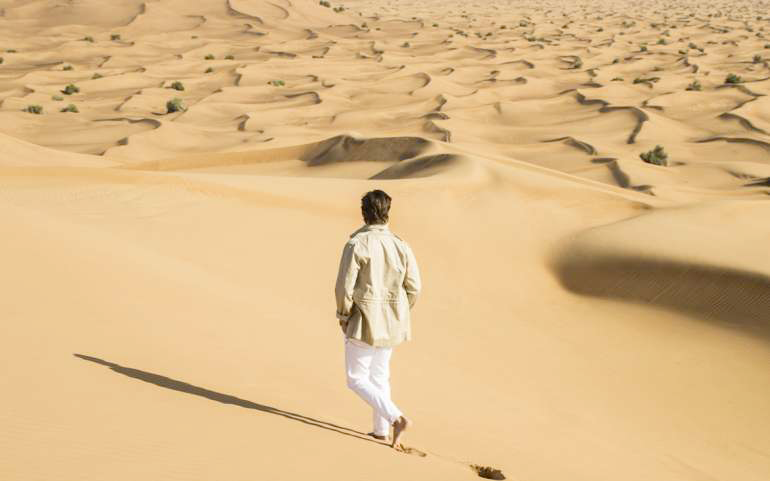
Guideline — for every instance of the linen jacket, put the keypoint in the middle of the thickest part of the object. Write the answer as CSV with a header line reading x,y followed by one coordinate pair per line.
x,y
377,284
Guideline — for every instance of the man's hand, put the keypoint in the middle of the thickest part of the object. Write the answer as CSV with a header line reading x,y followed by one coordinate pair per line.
x,y
344,326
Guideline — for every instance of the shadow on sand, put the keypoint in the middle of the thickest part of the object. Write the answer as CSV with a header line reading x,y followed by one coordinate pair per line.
x,y
180,386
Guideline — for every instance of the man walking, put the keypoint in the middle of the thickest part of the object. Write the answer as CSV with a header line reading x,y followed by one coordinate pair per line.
x,y
377,284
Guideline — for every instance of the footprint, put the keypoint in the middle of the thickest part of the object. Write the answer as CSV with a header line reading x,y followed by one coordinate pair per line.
x,y
409,450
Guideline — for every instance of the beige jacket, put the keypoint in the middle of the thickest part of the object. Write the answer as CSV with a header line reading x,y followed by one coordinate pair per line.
x,y
378,282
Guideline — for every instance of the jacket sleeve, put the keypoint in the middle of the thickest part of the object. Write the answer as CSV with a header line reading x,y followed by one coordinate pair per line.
x,y
412,282
346,281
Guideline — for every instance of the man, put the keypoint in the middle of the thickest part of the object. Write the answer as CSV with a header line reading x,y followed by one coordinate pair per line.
x,y
377,285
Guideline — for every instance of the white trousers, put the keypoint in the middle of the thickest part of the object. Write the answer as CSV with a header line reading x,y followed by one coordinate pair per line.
x,y
368,373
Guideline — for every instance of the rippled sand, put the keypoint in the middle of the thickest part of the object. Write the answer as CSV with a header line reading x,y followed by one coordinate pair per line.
x,y
166,276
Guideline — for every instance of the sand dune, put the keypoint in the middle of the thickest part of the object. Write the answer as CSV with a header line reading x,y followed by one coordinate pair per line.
x,y
588,315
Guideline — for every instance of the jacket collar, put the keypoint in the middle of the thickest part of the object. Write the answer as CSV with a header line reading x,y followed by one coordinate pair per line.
x,y
375,227
371,227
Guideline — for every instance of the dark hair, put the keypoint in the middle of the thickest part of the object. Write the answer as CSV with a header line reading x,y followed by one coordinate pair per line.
x,y
375,206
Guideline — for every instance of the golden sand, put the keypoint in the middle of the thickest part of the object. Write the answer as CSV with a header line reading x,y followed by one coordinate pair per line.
x,y
167,277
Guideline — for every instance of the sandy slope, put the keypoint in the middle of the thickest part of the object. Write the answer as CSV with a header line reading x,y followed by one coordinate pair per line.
x,y
167,278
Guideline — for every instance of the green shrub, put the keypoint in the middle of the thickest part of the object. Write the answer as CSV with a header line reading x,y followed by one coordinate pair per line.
x,y
733,79
277,83
11,50
407,44
177,85
209,70
88,38
695,86
661,41
767,45
656,156
34,109
643,48
1,60
70,108
57,98
617,79
209,57
97,75
643,80
757,59
229,57
175,105
324,3
339,9
115,36
71,89
68,67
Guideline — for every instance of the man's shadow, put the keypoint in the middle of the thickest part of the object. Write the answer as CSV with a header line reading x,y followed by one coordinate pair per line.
x,y
181,386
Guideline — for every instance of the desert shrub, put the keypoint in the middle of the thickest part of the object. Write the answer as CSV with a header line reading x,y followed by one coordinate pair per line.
x,y
435,25
70,89
339,9
757,59
407,44
68,67
209,57
34,109
661,41
577,63
277,83
11,50
88,38
324,3
646,80
488,472
656,156
615,60
209,70
767,45
682,51
733,79
1,60
175,105
96,76
115,36
70,108
617,79
177,85
57,98
643,48
695,86
229,57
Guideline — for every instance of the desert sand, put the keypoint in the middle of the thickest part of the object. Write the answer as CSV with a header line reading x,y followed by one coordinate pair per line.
x,y
167,277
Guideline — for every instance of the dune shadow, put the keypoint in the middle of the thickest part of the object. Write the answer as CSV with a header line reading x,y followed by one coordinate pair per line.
x,y
181,386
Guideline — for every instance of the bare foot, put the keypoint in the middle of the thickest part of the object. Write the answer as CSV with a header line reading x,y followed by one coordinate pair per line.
x,y
381,437
399,426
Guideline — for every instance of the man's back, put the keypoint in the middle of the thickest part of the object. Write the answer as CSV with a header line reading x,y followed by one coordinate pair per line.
x,y
377,284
